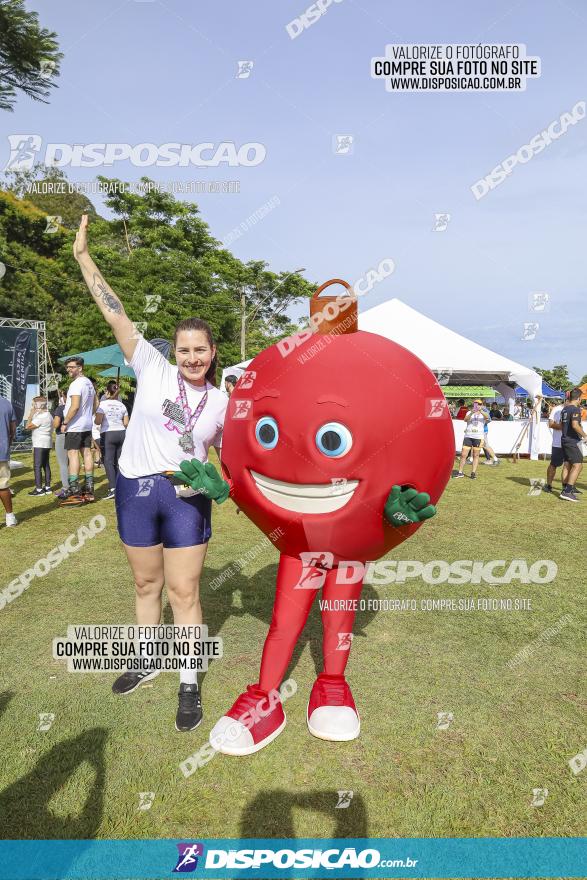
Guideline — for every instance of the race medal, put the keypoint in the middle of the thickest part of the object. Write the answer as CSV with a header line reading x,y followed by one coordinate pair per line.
x,y
186,442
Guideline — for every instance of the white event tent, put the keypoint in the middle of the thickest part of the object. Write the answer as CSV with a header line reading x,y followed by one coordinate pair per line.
x,y
445,351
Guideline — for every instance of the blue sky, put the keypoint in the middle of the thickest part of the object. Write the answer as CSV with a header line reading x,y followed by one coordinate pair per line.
x,y
162,71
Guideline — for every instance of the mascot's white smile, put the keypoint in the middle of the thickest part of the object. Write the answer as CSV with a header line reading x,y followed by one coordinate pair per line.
x,y
305,497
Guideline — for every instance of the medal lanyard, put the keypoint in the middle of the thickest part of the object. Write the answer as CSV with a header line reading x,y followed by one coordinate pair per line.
x,y
190,418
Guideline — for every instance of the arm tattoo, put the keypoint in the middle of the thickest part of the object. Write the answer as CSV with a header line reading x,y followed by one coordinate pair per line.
x,y
100,291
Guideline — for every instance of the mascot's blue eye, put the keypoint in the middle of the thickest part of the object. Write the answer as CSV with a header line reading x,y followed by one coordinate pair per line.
x,y
334,440
267,432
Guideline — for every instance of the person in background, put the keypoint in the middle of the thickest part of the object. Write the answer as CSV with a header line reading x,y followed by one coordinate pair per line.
x,y
517,411
556,454
40,423
77,425
528,408
507,416
129,401
462,409
475,420
97,442
60,451
96,449
495,412
7,433
490,456
112,418
229,384
571,435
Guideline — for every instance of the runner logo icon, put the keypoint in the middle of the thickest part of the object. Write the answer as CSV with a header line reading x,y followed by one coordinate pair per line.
x,y
187,860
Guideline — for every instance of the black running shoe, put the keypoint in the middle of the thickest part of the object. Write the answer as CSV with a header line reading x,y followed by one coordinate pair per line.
x,y
568,496
189,711
36,492
130,681
473,476
547,488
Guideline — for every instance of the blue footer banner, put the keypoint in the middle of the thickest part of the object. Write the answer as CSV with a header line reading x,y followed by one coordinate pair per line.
x,y
349,857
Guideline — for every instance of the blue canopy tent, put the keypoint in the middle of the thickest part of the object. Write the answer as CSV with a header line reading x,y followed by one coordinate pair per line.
x,y
108,354
547,391
112,354
117,372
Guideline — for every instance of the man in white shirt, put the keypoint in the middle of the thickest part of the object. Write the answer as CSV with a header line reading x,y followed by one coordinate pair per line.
x,y
40,424
556,455
77,425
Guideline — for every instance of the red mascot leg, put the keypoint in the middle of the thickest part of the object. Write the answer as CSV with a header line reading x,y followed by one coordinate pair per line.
x,y
290,613
257,716
332,713
338,617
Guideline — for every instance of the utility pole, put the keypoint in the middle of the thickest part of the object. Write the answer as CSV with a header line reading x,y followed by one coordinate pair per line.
x,y
243,326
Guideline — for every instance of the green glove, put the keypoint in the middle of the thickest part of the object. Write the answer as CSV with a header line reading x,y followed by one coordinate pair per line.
x,y
203,478
406,506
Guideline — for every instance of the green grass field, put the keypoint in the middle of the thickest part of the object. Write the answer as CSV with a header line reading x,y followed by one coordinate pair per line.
x,y
513,730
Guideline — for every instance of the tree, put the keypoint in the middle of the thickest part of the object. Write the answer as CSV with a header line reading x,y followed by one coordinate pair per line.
x,y
29,55
158,255
557,378
48,188
169,237
35,285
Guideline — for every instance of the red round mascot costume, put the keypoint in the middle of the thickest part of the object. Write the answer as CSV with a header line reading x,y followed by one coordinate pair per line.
x,y
339,443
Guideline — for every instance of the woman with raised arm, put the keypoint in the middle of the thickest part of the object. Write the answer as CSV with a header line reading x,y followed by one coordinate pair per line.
x,y
178,413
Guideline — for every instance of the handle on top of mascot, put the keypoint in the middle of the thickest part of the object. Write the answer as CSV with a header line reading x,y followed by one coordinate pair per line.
x,y
334,314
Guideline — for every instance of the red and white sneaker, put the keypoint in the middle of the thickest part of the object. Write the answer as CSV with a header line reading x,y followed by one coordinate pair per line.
x,y
255,719
332,713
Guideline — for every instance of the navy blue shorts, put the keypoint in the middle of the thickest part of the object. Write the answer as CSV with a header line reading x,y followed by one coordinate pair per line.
x,y
571,451
556,456
150,513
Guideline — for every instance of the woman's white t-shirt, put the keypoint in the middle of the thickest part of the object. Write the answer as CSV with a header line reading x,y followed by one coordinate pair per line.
x,y
152,438
43,429
114,412
476,424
